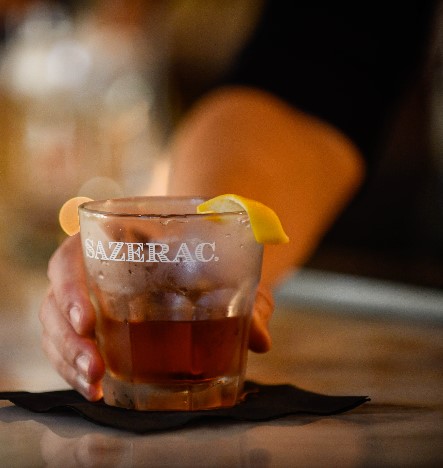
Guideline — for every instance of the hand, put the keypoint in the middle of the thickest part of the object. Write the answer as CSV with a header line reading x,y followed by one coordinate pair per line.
x,y
259,336
68,320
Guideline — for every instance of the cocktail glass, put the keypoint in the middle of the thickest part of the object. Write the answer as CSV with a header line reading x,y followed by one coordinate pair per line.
x,y
174,292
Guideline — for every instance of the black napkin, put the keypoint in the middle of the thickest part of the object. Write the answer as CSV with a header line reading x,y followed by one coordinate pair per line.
x,y
261,403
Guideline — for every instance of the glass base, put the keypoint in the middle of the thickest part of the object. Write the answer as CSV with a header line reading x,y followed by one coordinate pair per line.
x,y
217,393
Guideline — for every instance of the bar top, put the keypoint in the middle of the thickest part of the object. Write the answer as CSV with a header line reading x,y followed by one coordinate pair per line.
x,y
396,361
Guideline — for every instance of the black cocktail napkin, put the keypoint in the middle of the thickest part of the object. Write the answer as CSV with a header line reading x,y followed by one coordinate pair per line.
x,y
261,403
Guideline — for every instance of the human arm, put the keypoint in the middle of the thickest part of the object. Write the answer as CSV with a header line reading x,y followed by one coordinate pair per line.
x,y
246,141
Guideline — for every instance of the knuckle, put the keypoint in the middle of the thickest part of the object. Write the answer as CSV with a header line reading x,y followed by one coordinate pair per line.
x,y
266,296
58,258
44,343
264,304
52,264
45,306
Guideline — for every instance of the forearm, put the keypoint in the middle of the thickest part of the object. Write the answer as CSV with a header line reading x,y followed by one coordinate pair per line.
x,y
247,142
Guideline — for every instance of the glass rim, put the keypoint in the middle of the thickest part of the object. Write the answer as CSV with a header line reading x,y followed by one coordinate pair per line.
x,y
88,207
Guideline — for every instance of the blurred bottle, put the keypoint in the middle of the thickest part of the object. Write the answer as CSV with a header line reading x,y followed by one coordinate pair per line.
x,y
78,106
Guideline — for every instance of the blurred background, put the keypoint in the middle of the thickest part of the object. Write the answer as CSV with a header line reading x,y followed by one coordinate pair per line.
x,y
90,91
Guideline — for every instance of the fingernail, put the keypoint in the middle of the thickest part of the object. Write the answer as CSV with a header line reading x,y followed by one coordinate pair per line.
x,y
83,363
83,386
91,392
74,317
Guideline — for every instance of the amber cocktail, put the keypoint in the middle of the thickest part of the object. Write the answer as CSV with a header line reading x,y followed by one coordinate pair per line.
x,y
174,292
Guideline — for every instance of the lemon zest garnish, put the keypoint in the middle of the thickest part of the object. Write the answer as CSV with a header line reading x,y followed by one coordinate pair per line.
x,y
265,223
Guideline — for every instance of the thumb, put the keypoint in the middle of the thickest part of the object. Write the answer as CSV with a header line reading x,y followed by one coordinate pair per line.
x,y
259,336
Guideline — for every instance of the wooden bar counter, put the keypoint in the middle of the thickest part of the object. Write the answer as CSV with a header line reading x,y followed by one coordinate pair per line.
x,y
395,360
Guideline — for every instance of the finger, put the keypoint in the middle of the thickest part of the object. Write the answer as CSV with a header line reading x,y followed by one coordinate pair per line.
x,y
68,280
259,336
92,391
66,349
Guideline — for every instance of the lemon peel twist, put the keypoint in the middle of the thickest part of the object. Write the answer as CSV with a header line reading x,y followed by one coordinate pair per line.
x,y
265,223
